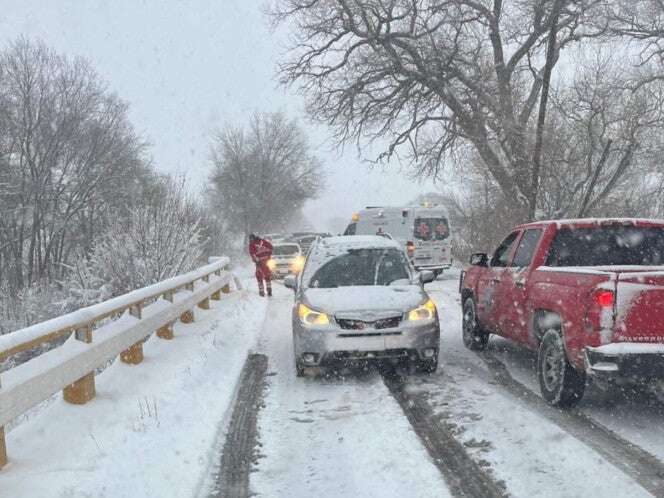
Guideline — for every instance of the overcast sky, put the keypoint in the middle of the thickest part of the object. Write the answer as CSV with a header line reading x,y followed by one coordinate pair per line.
x,y
187,67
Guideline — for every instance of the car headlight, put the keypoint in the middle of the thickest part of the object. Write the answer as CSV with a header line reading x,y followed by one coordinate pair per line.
x,y
426,311
312,317
271,264
298,264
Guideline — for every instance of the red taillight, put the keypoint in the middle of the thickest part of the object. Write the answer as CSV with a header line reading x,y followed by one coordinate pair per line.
x,y
605,298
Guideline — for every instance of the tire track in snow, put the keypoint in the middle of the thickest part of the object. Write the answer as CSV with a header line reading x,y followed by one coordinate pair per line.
x,y
239,449
643,467
464,476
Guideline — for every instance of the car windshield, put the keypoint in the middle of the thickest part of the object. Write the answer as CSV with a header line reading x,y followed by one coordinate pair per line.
x,y
362,267
285,250
606,246
431,229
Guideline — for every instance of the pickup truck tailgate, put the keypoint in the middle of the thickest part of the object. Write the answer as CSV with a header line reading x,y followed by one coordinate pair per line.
x,y
640,307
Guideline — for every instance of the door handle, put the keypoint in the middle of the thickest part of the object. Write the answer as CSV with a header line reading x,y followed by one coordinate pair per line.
x,y
520,284
495,280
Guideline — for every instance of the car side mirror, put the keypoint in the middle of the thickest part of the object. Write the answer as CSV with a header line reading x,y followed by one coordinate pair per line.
x,y
427,276
479,259
290,282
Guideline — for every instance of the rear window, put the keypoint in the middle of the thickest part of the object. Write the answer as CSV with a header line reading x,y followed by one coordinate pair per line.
x,y
607,246
285,250
431,229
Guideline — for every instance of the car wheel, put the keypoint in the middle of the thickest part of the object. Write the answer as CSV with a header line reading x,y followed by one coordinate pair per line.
x,y
299,369
560,383
474,338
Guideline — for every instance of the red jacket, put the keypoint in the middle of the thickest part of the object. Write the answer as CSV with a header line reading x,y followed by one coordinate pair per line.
x,y
260,250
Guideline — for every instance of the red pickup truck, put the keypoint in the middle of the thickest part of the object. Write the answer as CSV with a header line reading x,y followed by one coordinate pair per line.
x,y
587,294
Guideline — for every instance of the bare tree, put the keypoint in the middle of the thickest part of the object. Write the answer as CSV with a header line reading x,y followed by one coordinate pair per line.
x,y
263,174
64,140
159,239
604,136
434,75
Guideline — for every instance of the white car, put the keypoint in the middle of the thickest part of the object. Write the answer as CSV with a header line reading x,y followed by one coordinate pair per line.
x,y
359,299
287,259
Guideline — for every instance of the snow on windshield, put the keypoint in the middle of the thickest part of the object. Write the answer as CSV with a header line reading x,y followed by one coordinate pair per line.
x,y
362,267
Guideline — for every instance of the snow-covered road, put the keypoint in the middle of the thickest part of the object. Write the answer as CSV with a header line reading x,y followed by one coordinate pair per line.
x,y
333,437
163,428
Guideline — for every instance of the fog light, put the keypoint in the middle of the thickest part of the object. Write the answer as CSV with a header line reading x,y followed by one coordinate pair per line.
x,y
310,358
429,353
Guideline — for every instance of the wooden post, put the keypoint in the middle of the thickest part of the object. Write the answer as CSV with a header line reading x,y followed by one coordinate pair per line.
x,y
134,354
216,295
204,304
82,390
226,289
165,332
3,446
206,278
187,316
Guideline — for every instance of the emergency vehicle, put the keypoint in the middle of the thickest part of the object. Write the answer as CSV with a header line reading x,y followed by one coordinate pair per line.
x,y
424,232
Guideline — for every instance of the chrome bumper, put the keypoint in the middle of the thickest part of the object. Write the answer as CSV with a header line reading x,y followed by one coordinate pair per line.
x,y
625,360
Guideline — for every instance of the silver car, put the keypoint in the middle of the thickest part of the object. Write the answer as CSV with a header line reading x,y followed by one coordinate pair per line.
x,y
359,299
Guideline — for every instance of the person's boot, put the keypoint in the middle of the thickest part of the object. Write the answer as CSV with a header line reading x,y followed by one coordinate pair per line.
x,y
269,291
261,293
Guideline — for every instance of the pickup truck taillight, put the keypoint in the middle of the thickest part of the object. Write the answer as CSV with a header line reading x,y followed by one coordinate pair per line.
x,y
605,298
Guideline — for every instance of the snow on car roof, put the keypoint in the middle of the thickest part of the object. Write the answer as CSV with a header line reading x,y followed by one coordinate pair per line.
x,y
345,242
594,221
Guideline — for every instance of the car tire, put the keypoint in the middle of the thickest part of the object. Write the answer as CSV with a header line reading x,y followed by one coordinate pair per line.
x,y
560,383
299,369
474,337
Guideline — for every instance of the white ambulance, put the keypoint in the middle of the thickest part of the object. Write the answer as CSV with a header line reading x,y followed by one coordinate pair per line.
x,y
424,232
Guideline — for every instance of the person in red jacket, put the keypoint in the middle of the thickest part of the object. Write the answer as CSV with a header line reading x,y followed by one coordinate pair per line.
x,y
260,251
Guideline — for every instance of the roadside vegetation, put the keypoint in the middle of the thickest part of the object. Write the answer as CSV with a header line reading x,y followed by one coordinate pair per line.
x,y
85,215
522,110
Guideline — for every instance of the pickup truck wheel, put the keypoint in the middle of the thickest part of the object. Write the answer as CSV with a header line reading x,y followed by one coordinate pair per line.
x,y
560,383
474,338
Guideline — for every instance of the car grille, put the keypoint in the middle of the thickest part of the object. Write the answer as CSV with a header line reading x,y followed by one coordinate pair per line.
x,y
383,323
359,355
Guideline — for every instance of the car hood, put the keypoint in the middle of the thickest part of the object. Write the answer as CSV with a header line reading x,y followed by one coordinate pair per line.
x,y
365,302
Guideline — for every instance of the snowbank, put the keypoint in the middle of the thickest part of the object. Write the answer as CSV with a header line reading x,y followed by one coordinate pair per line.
x,y
152,429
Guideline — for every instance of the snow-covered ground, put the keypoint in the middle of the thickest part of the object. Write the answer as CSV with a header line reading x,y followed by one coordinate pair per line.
x,y
532,455
333,437
153,428
157,429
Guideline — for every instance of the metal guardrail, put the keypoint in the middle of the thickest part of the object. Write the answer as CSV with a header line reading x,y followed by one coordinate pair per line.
x,y
91,344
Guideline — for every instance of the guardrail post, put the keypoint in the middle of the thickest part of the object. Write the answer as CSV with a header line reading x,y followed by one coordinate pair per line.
x,y
134,354
205,303
3,446
188,316
226,289
165,332
82,390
